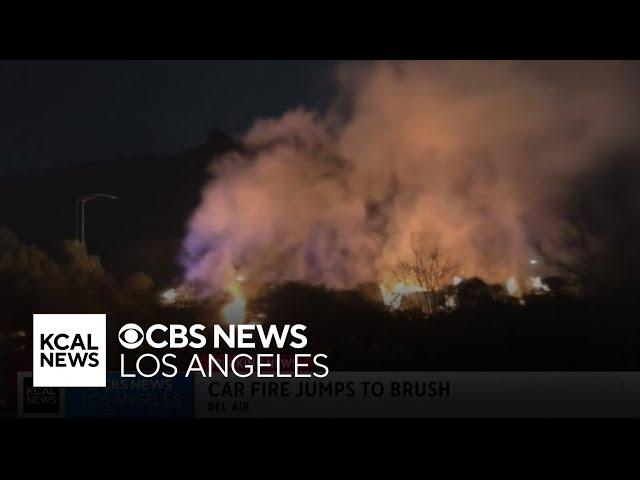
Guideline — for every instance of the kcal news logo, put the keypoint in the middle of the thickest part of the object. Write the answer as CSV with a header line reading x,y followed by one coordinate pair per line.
x,y
69,350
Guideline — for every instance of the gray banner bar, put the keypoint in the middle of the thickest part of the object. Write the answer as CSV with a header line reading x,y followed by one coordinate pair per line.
x,y
424,395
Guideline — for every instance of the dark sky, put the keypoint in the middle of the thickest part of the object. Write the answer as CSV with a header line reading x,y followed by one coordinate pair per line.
x,y
56,112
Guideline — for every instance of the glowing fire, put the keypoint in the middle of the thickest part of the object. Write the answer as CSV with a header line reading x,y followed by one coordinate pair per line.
x,y
169,296
392,298
513,287
235,312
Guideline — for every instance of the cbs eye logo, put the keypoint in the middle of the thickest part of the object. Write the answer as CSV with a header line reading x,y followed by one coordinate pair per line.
x,y
131,336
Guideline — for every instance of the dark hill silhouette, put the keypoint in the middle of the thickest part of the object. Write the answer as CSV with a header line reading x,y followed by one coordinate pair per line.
x,y
142,230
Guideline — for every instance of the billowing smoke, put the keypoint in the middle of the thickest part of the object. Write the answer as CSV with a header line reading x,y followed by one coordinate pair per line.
x,y
473,156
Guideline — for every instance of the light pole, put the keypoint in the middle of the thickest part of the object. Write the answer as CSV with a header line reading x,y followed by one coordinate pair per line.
x,y
80,207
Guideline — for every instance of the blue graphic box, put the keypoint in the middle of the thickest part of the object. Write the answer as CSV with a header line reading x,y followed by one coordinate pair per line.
x,y
155,397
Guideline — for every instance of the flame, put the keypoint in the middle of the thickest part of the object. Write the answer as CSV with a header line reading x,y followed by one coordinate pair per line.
x,y
537,285
235,312
513,287
169,296
393,298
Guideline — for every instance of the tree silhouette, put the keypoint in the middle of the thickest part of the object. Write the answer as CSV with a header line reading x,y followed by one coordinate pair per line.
x,y
429,267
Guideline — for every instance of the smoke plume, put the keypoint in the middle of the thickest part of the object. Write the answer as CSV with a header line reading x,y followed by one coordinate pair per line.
x,y
473,156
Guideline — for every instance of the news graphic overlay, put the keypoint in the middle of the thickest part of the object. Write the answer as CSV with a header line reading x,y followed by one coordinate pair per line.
x,y
69,350
252,338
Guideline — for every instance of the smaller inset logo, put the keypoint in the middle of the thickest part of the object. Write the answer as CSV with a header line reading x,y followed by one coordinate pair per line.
x,y
131,336
41,402
69,350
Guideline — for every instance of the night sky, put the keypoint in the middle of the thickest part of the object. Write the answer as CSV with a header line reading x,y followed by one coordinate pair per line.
x,y
53,113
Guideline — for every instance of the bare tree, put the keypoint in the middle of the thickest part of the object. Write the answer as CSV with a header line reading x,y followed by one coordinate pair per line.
x,y
429,267
574,255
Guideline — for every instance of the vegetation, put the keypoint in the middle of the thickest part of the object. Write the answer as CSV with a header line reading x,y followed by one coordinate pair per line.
x,y
589,318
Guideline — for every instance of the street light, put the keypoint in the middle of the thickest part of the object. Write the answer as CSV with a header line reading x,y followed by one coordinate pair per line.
x,y
80,203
